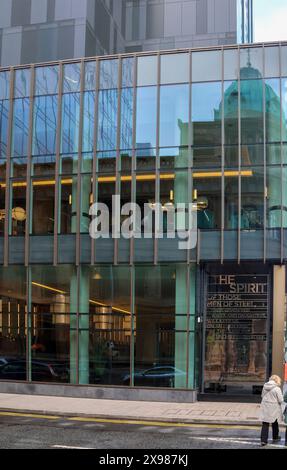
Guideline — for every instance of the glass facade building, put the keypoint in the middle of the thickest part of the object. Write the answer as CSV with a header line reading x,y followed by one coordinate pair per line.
x,y
43,30
207,127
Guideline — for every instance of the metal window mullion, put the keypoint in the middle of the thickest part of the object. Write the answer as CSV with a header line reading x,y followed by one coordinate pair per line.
x,y
57,167
79,178
189,149
134,166
157,158
133,323
28,322
239,162
118,156
29,166
187,321
222,160
281,160
264,161
95,160
8,168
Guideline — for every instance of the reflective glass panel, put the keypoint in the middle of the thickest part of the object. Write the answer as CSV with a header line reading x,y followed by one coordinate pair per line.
x,y
252,199
252,155
18,214
46,80
174,109
230,64
206,113
4,85
231,187
273,154
274,199
271,61
90,75
206,65
43,165
146,117
20,127
72,77
70,122
251,62
284,61
272,110
231,107
43,200
127,96
207,156
207,196
22,83
45,125
109,70
284,108
68,205
128,72
174,68
89,121
107,120
147,71
4,115
251,105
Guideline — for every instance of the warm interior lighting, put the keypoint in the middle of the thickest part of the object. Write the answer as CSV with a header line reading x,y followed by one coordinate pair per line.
x,y
100,304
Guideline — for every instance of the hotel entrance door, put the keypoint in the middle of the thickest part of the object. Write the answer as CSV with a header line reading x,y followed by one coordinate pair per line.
x,y
235,332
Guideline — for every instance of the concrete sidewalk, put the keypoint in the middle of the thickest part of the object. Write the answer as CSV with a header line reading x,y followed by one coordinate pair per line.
x,y
199,412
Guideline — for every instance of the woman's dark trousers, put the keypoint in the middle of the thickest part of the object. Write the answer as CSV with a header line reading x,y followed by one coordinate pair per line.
x,y
265,430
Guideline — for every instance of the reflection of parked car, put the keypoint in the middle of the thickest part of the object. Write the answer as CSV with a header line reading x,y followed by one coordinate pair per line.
x,y
41,371
5,359
161,376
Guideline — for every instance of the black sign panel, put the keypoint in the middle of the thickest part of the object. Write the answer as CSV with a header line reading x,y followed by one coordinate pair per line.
x,y
236,328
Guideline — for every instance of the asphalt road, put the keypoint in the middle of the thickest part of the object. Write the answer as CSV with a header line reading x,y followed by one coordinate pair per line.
x,y
38,432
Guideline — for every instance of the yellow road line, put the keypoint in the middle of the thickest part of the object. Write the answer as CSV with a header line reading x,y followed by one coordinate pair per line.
x,y
27,415
132,421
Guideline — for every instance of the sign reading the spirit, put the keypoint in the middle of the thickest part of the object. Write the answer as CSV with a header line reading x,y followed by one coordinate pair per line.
x,y
234,304
236,329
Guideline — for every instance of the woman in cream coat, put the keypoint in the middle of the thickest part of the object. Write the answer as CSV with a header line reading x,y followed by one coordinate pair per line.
x,y
271,409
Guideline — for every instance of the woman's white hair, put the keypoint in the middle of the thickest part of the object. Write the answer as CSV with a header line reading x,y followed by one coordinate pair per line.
x,y
276,379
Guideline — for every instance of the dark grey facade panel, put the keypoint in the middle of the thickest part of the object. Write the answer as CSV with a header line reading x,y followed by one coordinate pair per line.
x,y
21,12
117,26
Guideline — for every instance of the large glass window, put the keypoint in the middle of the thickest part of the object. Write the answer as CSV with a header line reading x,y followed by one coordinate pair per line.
x,y
206,113
127,97
147,70
109,74
175,68
252,199
43,197
207,197
70,123
17,222
231,64
45,125
90,75
13,323
206,65
284,109
4,85
160,323
174,109
20,127
128,71
271,61
251,109
274,197
107,124
22,83
72,78
231,107
46,80
89,121
146,117
4,116
231,187
272,110
53,324
251,61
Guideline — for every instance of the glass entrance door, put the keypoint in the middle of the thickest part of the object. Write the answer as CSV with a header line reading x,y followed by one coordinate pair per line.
x,y
236,326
